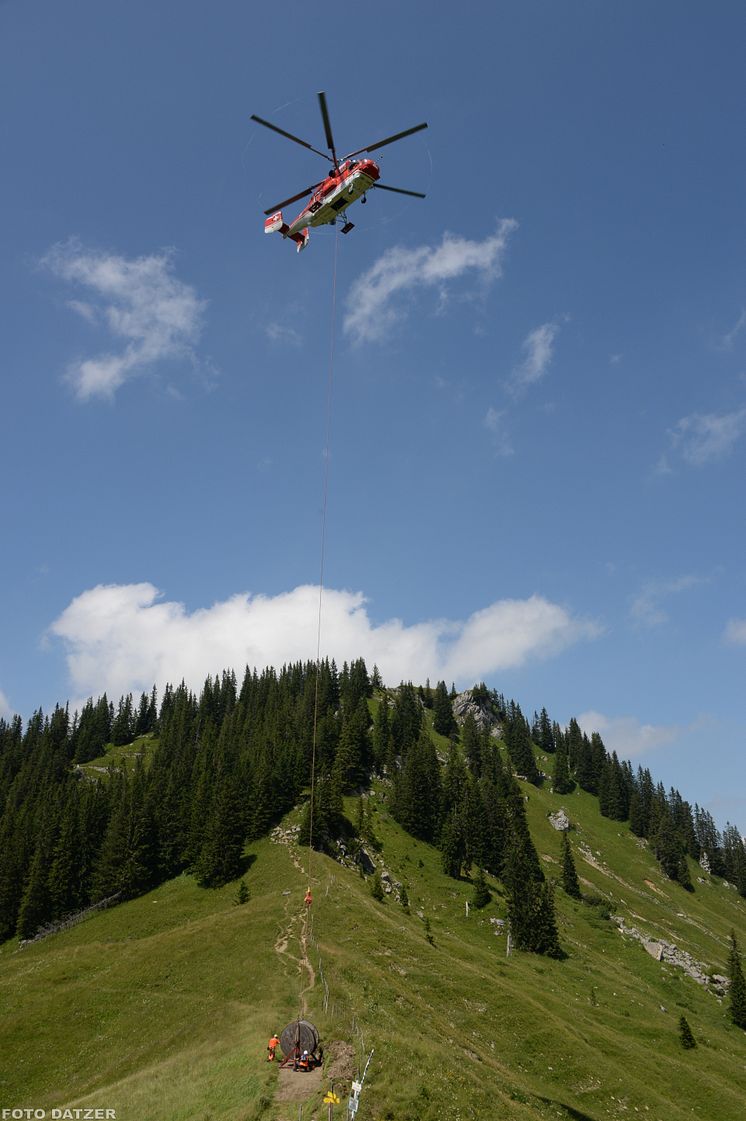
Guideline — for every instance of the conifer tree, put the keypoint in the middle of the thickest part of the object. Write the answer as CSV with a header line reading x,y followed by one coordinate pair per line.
x,y
533,925
381,735
243,895
376,887
220,860
737,990
481,895
443,719
35,907
518,740
453,845
669,850
471,742
562,783
570,881
406,719
685,1034
416,803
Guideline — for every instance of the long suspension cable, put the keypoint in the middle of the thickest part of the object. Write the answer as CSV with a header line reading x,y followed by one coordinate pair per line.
x,y
324,505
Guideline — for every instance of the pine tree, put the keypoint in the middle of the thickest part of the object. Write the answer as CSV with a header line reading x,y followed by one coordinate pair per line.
x,y
220,860
243,895
669,850
518,740
35,907
376,887
562,783
381,735
416,803
737,990
453,845
481,896
472,744
443,719
570,881
685,1034
533,925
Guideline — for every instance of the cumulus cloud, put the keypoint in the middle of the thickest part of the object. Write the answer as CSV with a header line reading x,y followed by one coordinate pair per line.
x,y
119,638
538,350
139,302
626,735
496,423
704,437
735,632
376,300
646,608
5,707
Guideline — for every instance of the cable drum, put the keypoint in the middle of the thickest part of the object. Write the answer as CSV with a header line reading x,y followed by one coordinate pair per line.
x,y
301,1034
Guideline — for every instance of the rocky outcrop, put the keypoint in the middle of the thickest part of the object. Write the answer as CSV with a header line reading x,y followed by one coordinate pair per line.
x,y
484,715
671,954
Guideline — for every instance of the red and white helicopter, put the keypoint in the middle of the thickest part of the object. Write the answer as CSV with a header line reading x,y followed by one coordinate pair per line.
x,y
348,181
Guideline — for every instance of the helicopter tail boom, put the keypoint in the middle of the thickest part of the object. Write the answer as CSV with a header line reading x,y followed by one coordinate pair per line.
x,y
277,224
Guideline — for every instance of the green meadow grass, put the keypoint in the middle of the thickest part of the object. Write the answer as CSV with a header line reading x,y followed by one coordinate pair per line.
x,y
122,755
161,1008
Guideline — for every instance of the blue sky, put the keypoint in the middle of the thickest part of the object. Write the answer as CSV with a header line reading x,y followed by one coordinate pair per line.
x,y
539,407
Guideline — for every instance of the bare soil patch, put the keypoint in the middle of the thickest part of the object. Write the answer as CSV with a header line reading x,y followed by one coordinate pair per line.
x,y
341,1064
297,1085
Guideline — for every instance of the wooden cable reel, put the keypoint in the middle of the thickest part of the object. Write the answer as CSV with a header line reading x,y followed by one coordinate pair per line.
x,y
299,1034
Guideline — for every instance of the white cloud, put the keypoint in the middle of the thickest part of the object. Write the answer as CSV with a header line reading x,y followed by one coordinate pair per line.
x,y
646,607
5,707
495,421
735,632
139,301
626,735
729,339
538,350
703,437
376,299
282,333
119,638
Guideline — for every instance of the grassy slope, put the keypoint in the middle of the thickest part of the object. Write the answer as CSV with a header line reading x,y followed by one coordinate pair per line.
x,y
161,1008
123,755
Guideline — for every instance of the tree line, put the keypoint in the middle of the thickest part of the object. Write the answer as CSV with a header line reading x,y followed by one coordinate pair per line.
x,y
223,766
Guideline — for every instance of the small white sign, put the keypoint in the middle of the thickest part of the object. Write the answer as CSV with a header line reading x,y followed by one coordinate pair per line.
x,y
356,1088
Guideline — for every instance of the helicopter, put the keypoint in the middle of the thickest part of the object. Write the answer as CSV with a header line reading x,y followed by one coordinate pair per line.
x,y
349,180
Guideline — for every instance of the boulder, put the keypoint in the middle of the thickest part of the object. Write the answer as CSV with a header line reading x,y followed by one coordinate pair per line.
x,y
559,820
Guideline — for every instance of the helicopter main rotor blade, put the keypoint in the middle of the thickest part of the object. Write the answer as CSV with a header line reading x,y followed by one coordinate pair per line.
x,y
399,191
389,140
328,128
289,136
300,195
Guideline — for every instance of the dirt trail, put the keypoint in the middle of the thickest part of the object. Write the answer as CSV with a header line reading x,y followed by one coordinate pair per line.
x,y
297,928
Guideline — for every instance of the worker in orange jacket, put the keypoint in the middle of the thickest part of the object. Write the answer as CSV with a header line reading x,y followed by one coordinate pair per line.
x,y
272,1046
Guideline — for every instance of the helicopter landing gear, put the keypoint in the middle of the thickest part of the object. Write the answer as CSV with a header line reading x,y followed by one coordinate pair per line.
x,y
347,227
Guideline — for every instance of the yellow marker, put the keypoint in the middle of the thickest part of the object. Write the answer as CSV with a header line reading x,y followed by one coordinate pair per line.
x,y
331,1099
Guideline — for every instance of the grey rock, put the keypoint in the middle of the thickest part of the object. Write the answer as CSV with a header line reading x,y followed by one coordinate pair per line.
x,y
559,820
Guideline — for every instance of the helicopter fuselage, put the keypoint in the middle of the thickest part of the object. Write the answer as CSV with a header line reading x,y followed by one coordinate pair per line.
x,y
330,199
